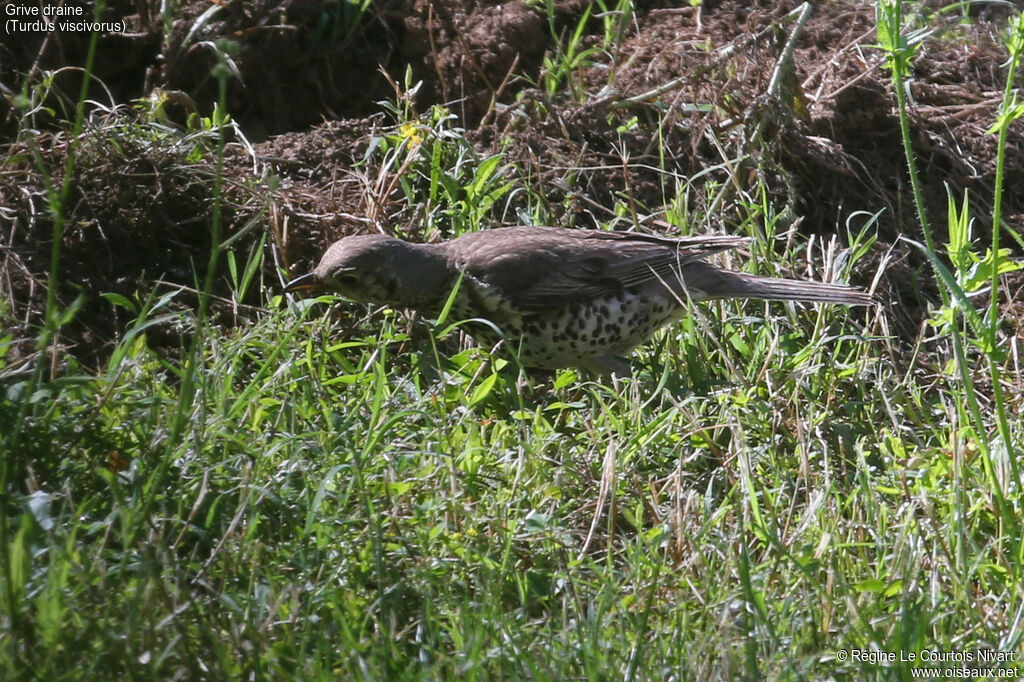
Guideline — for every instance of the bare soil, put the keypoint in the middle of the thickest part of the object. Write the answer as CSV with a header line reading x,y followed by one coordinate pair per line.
x,y
307,79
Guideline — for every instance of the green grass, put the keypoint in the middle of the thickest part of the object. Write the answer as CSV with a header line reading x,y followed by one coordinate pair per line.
x,y
778,487
331,510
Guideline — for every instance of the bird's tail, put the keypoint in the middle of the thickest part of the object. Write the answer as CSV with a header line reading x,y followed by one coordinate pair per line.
x,y
708,282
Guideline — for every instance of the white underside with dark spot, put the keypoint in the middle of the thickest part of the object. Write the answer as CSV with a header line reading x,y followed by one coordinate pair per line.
x,y
592,334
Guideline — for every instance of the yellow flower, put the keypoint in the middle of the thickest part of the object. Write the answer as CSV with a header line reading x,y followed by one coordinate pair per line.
x,y
411,134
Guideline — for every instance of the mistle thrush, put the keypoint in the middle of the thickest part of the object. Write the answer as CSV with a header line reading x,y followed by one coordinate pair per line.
x,y
561,298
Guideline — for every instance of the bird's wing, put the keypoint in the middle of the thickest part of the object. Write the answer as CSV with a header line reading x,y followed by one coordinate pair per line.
x,y
550,268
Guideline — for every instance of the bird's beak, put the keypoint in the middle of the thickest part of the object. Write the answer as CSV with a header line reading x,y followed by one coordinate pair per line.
x,y
304,283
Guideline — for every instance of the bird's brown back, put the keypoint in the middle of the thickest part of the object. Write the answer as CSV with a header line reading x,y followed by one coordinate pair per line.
x,y
543,267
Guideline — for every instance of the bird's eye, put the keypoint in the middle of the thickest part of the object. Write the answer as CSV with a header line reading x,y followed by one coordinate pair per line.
x,y
346,280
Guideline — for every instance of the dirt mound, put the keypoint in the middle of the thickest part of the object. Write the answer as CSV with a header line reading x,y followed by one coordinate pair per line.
x,y
657,107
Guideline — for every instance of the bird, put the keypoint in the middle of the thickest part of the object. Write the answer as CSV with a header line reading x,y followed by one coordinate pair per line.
x,y
560,297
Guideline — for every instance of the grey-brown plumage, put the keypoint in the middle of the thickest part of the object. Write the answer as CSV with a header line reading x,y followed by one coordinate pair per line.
x,y
562,298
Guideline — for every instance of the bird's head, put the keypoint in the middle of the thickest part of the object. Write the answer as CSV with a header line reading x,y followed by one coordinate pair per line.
x,y
372,268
